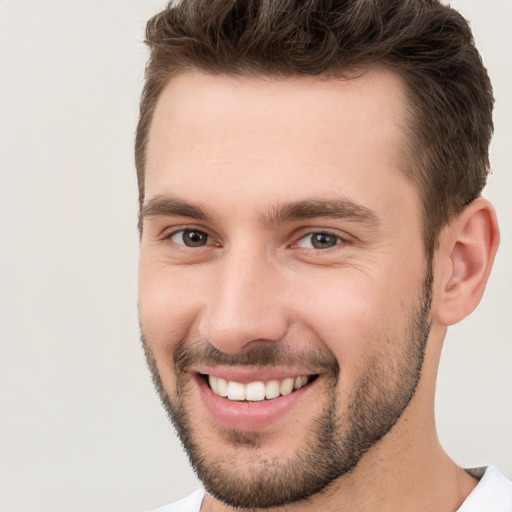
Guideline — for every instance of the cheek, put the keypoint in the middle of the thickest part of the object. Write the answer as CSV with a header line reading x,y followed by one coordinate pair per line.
x,y
355,314
167,308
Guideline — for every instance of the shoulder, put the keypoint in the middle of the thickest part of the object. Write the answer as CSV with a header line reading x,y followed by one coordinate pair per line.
x,y
493,493
191,503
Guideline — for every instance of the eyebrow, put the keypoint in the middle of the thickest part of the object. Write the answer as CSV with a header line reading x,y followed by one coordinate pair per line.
x,y
167,206
340,208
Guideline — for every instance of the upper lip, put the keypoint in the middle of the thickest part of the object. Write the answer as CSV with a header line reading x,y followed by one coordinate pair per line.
x,y
244,375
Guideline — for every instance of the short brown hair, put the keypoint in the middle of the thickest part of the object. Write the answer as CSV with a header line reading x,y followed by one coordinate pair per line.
x,y
428,44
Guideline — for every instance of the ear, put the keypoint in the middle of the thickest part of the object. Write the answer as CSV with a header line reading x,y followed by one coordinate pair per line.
x,y
465,256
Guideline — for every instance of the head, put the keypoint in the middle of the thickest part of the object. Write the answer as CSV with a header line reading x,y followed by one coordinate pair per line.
x,y
298,164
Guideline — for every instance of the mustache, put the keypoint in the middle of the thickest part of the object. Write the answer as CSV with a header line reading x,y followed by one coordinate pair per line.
x,y
270,354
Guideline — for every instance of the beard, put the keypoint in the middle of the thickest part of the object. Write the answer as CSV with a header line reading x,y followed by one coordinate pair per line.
x,y
336,440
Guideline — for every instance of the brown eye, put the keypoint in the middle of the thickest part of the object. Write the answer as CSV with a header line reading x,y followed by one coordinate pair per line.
x,y
190,238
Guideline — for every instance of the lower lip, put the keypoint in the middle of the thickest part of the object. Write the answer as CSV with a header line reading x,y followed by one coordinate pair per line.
x,y
246,415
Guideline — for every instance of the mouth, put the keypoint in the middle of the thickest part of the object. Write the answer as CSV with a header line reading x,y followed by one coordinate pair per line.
x,y
252,400
256,391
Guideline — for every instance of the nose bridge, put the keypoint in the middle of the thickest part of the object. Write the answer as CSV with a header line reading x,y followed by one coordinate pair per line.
x,y
244,306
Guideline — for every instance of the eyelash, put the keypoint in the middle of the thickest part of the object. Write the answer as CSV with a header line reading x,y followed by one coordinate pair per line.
x,y
295,245
182,231
325,233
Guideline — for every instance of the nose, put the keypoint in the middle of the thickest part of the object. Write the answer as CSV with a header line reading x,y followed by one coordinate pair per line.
x,y
245,305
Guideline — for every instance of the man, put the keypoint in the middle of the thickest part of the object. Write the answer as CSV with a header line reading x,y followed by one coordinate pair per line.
x,y
311,222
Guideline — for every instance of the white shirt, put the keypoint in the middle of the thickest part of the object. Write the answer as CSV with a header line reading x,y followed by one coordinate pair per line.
x,y
191,503
492,494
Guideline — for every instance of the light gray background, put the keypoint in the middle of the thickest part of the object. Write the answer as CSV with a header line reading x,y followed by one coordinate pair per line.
x,y
80,426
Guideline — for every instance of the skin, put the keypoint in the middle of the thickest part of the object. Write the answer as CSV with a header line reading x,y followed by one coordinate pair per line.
x,y
241,148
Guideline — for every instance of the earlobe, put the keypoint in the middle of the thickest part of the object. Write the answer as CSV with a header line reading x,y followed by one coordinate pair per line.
x,y
466,254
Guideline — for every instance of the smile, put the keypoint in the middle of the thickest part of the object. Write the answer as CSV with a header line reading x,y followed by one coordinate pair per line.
x,y
252,399
256,391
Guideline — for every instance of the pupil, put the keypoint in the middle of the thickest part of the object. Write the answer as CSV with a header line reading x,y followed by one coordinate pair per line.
x,y
323,241
194,238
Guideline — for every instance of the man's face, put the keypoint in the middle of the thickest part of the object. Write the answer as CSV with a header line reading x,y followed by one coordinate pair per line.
x,y
281,264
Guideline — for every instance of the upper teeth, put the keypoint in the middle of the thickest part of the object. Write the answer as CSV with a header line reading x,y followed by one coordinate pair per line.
x,y
255,391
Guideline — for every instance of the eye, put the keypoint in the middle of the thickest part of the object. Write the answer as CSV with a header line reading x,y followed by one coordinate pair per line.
x,y
190,238
319,240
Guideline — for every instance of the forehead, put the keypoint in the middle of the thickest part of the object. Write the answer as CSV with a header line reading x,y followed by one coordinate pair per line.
x,y
252,137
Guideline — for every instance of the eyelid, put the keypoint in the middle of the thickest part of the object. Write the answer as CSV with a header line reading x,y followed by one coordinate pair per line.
x,y
169,231
183,231
168,234
342,239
